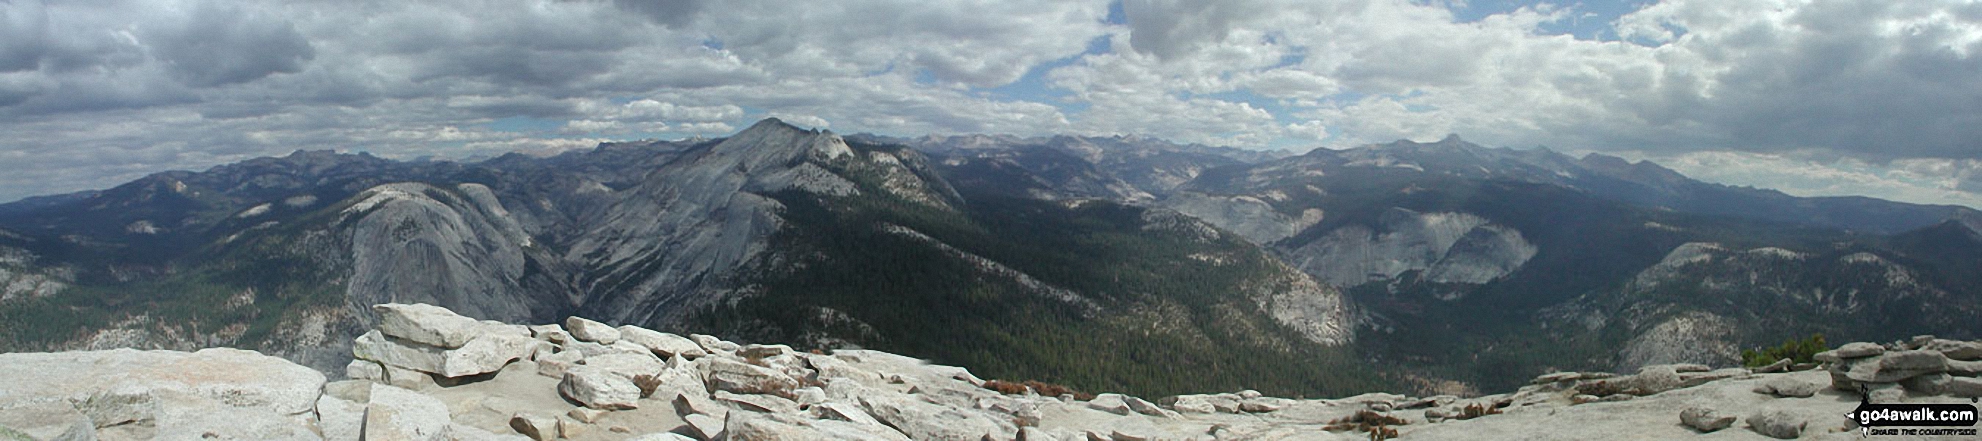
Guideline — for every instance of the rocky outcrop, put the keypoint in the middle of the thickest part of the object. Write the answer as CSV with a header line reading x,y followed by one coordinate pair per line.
x,y
1321,313
482,355
1691,337
724,390
1890,373
19,279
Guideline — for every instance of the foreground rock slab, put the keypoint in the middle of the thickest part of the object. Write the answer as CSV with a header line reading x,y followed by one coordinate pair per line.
x,y
226,392
397,414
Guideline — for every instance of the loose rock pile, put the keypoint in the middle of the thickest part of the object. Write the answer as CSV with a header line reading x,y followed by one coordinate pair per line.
x,y
426,373
1924,366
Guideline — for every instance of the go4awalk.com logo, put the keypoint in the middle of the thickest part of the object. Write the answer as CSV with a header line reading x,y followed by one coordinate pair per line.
x,y
1914,419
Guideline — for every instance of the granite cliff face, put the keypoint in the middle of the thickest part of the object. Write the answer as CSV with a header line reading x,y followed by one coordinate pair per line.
x,y
420,243
1445,247
1247,216
672,243
425,373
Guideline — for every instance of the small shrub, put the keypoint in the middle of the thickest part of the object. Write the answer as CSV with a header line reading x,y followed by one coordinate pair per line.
x,y
1042,388
1380,433
1048,389
812,380
1005,387
1054,390
1374,418
1476,410
1599,388
1376,424
1797,351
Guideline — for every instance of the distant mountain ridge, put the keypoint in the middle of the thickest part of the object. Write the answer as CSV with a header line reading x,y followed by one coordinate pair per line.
x,y
776,233
1120,263
1531,258
1642,183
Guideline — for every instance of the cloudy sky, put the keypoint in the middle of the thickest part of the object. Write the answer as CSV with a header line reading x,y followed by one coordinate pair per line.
x,y
1872,97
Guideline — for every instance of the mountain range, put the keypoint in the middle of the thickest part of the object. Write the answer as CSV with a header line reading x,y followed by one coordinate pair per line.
x,y
1108,263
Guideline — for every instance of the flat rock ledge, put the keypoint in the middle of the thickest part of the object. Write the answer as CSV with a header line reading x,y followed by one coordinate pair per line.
x,y
428,374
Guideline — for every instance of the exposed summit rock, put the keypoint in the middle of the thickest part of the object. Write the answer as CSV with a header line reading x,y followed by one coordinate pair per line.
x,y
767,391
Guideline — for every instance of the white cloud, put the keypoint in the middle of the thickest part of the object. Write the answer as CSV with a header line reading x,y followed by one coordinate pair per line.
x,y
803,120
1288,83
1311,130
92,93
647,116
593,126
650,109
975,42
703,128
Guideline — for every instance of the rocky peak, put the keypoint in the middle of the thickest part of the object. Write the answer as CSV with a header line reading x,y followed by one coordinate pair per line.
x,y
1451,143
711,203
300,162
1451,155
774,142
1605,162
318,155
1643,172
